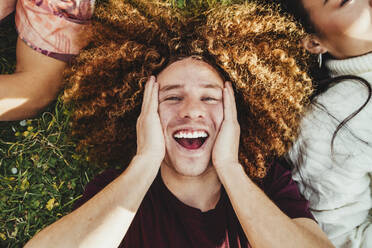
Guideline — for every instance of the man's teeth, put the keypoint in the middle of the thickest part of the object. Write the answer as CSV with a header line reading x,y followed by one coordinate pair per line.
x,y
191,135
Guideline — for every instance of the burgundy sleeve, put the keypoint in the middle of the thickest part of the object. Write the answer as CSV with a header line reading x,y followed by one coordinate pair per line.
x,y
283,191
96,185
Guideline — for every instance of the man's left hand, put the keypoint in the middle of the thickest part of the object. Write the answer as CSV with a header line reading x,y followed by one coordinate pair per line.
x,y
226,147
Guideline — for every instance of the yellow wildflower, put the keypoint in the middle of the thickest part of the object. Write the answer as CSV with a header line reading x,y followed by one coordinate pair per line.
x,y
50,204
2,236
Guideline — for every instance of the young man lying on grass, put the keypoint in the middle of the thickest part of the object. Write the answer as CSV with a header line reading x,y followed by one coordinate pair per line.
x,y
197,172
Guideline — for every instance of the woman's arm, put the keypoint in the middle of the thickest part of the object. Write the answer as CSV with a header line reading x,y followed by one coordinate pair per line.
x,y
36,82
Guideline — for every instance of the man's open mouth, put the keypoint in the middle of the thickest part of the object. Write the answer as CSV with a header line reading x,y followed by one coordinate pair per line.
x,y
191,139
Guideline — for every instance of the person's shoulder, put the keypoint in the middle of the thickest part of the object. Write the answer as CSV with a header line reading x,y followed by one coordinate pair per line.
x,y
278,176
97,184
279,186
342,98
105,177
276,170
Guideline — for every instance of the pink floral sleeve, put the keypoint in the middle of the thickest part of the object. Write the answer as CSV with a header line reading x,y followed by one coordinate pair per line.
x,y
53,27
6,7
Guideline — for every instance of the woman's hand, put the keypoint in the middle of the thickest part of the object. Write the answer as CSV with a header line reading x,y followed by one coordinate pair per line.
x,y
226,146
150,138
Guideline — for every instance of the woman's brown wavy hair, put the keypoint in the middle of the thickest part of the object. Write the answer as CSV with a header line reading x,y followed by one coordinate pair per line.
x,y
252,45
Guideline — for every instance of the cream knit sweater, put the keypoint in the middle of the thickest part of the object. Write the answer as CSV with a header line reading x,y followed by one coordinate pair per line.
x,y
339,187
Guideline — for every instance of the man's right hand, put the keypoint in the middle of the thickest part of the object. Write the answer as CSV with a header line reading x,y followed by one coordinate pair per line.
x,y
150,137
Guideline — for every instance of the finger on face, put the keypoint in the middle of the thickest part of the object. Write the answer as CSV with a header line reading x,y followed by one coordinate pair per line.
x,y
147,93
229,102
233,102
154,101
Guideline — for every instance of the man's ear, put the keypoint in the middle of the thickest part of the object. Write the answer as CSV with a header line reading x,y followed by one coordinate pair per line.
x,y
313,44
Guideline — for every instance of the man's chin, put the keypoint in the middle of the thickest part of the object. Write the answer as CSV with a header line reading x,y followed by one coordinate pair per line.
x,y
190,168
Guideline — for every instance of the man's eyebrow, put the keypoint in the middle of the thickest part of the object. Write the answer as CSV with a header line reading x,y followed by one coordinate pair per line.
x,y
212,86
177,86
170,87
325,2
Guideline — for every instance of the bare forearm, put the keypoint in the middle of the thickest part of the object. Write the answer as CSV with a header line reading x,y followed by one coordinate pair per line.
x,y
104,219
32,87
21,97
264,224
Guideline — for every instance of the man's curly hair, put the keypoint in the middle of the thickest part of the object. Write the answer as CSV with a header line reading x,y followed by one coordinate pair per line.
x,y
251,44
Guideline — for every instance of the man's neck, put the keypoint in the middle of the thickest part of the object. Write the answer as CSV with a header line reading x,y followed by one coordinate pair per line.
x,y
201,192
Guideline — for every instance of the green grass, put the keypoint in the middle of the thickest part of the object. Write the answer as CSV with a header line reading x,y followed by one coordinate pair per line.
x,y
41,173
8,38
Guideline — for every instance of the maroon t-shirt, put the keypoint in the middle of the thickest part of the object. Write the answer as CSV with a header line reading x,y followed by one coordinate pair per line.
x,y
164,221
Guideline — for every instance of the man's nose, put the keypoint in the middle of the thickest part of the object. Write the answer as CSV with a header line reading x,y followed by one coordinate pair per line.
x,y
192,109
